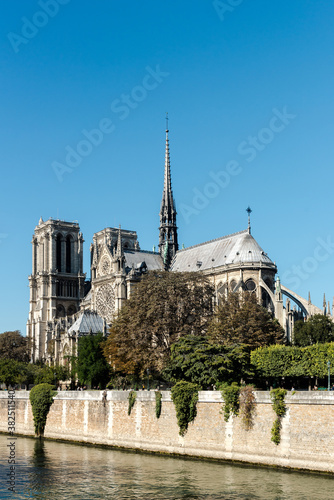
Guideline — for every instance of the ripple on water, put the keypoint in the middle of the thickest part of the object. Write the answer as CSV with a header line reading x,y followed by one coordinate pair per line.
x,y
48,470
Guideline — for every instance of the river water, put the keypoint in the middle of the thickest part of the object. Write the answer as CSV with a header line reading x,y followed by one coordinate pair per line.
x,y
50,470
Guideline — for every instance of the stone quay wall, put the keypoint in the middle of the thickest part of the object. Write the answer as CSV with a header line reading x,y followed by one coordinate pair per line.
x,y
307,434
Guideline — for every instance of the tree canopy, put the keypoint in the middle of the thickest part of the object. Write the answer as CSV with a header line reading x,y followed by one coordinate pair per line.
x,y
14,346
162,308
12,372
317,328
195,360
92,367
239,319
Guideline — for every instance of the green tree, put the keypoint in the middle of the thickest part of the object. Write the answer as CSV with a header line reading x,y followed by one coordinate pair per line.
x,y
278,361
239,319
162,308
315,358
317,328
13,346
46,374
31,373
195,360
12,372
92,367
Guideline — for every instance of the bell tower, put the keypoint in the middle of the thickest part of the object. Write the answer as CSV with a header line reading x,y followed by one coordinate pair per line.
x,y
168,244
57,280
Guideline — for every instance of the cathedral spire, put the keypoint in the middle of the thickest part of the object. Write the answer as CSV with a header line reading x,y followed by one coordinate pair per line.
x,y
249,211
168,228
119,243
119,255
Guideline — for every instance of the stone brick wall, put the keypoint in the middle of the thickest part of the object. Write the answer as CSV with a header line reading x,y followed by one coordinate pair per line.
x,y
307,435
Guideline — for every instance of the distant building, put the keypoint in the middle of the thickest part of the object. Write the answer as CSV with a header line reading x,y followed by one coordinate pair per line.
x,y
64,305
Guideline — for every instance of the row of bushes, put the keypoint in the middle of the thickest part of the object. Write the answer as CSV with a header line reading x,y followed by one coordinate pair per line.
x,y
291,361
13,372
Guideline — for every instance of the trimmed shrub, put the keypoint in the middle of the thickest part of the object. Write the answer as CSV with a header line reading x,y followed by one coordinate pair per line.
x,y
41,399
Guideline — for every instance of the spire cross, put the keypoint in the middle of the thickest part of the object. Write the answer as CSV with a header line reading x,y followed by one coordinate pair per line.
x,y
249,211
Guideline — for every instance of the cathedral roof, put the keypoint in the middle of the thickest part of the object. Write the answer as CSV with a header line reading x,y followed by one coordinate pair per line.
x,y
87,322
235,249
134,258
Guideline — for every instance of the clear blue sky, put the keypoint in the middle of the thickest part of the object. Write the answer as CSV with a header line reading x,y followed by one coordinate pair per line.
x,y
226,75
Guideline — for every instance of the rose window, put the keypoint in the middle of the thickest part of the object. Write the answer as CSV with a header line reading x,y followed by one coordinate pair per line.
x,y
105,301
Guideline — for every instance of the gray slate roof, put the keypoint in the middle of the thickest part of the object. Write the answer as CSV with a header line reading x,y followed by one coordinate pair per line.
x,y
87,322
137,257
238,248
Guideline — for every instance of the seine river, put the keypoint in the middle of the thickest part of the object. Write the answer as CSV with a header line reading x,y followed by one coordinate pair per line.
x,y
50,470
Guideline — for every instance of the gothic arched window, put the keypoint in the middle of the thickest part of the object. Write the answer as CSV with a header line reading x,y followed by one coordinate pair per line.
x,y
71,310
233,285
60,311
221,292
68,254
58,252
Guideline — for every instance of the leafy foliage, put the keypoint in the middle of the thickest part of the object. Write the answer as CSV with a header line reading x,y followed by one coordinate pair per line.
x,y
247,405
315,358
317,328
158,398
132,399
185,397
278,361
92,367
30,374
287,361
12,372
195,360
41,399
278,396
239,319
162,308
119,381
50,374
14,346
276,431
230,395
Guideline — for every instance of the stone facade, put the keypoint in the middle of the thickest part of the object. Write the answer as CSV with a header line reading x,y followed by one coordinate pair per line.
x,y
307,435
57,280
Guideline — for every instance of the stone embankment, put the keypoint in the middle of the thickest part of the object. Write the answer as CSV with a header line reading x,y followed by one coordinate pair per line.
x,y
307,434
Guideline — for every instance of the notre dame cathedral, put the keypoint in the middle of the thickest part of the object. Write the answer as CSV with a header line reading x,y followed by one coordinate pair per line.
x,y
64,305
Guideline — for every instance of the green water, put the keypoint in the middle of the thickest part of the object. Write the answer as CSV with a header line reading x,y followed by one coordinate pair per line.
x,y
50,470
